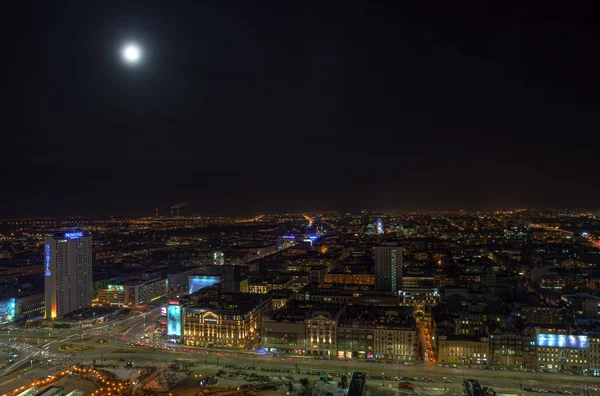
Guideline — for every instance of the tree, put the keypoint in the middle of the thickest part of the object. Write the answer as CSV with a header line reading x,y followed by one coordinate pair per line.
x,y
304,382
343,382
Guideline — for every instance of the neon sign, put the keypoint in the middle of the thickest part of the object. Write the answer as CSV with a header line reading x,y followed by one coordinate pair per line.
x,y
74,235
47,260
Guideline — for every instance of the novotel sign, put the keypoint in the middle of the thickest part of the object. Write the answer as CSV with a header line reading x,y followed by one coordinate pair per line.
x,y
47,260
74,235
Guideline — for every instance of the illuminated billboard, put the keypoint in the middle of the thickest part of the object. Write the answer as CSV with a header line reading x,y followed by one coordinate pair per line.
x,y
8,310
562,341
198,282
174,320
116,288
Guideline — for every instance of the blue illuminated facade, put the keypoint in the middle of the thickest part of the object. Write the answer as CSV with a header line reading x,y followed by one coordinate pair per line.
x,y
174,320
562,341
198,282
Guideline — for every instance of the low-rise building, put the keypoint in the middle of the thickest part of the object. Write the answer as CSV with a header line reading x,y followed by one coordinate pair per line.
x,y
562,352
463,349
113,295
282,329
227,321
377,333
511,347
350,279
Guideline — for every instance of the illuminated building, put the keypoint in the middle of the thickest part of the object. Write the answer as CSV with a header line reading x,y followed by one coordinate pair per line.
x,y
113,295
388,268
463,349
68,273
232,322
559,352
144,292
594,353
20,308
264,287
302,328
372,332
511,347
30,306
419,279
178,278
542,315
350,279
421,299
197,282
258,288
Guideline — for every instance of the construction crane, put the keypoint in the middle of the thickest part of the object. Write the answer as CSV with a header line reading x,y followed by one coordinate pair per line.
x,y
176,209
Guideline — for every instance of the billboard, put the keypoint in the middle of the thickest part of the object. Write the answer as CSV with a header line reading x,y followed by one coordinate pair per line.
x,y
198,282
8,310
174,320
562,341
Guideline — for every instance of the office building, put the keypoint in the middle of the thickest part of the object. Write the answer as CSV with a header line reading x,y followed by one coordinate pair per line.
x,y
235,279
144,292
68,273
388,268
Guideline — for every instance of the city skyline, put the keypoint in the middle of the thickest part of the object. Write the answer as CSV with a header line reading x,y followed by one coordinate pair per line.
x,y
300,198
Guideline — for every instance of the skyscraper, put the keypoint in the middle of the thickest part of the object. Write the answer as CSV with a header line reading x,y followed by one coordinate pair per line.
x,y
68,273
234,279
388,267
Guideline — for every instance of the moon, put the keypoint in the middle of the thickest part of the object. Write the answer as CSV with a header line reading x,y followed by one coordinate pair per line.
x,y
131,53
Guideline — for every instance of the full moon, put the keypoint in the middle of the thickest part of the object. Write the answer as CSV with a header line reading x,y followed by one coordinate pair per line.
x,y
132,53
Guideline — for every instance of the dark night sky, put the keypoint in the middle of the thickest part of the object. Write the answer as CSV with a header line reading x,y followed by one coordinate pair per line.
x,y
246,107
